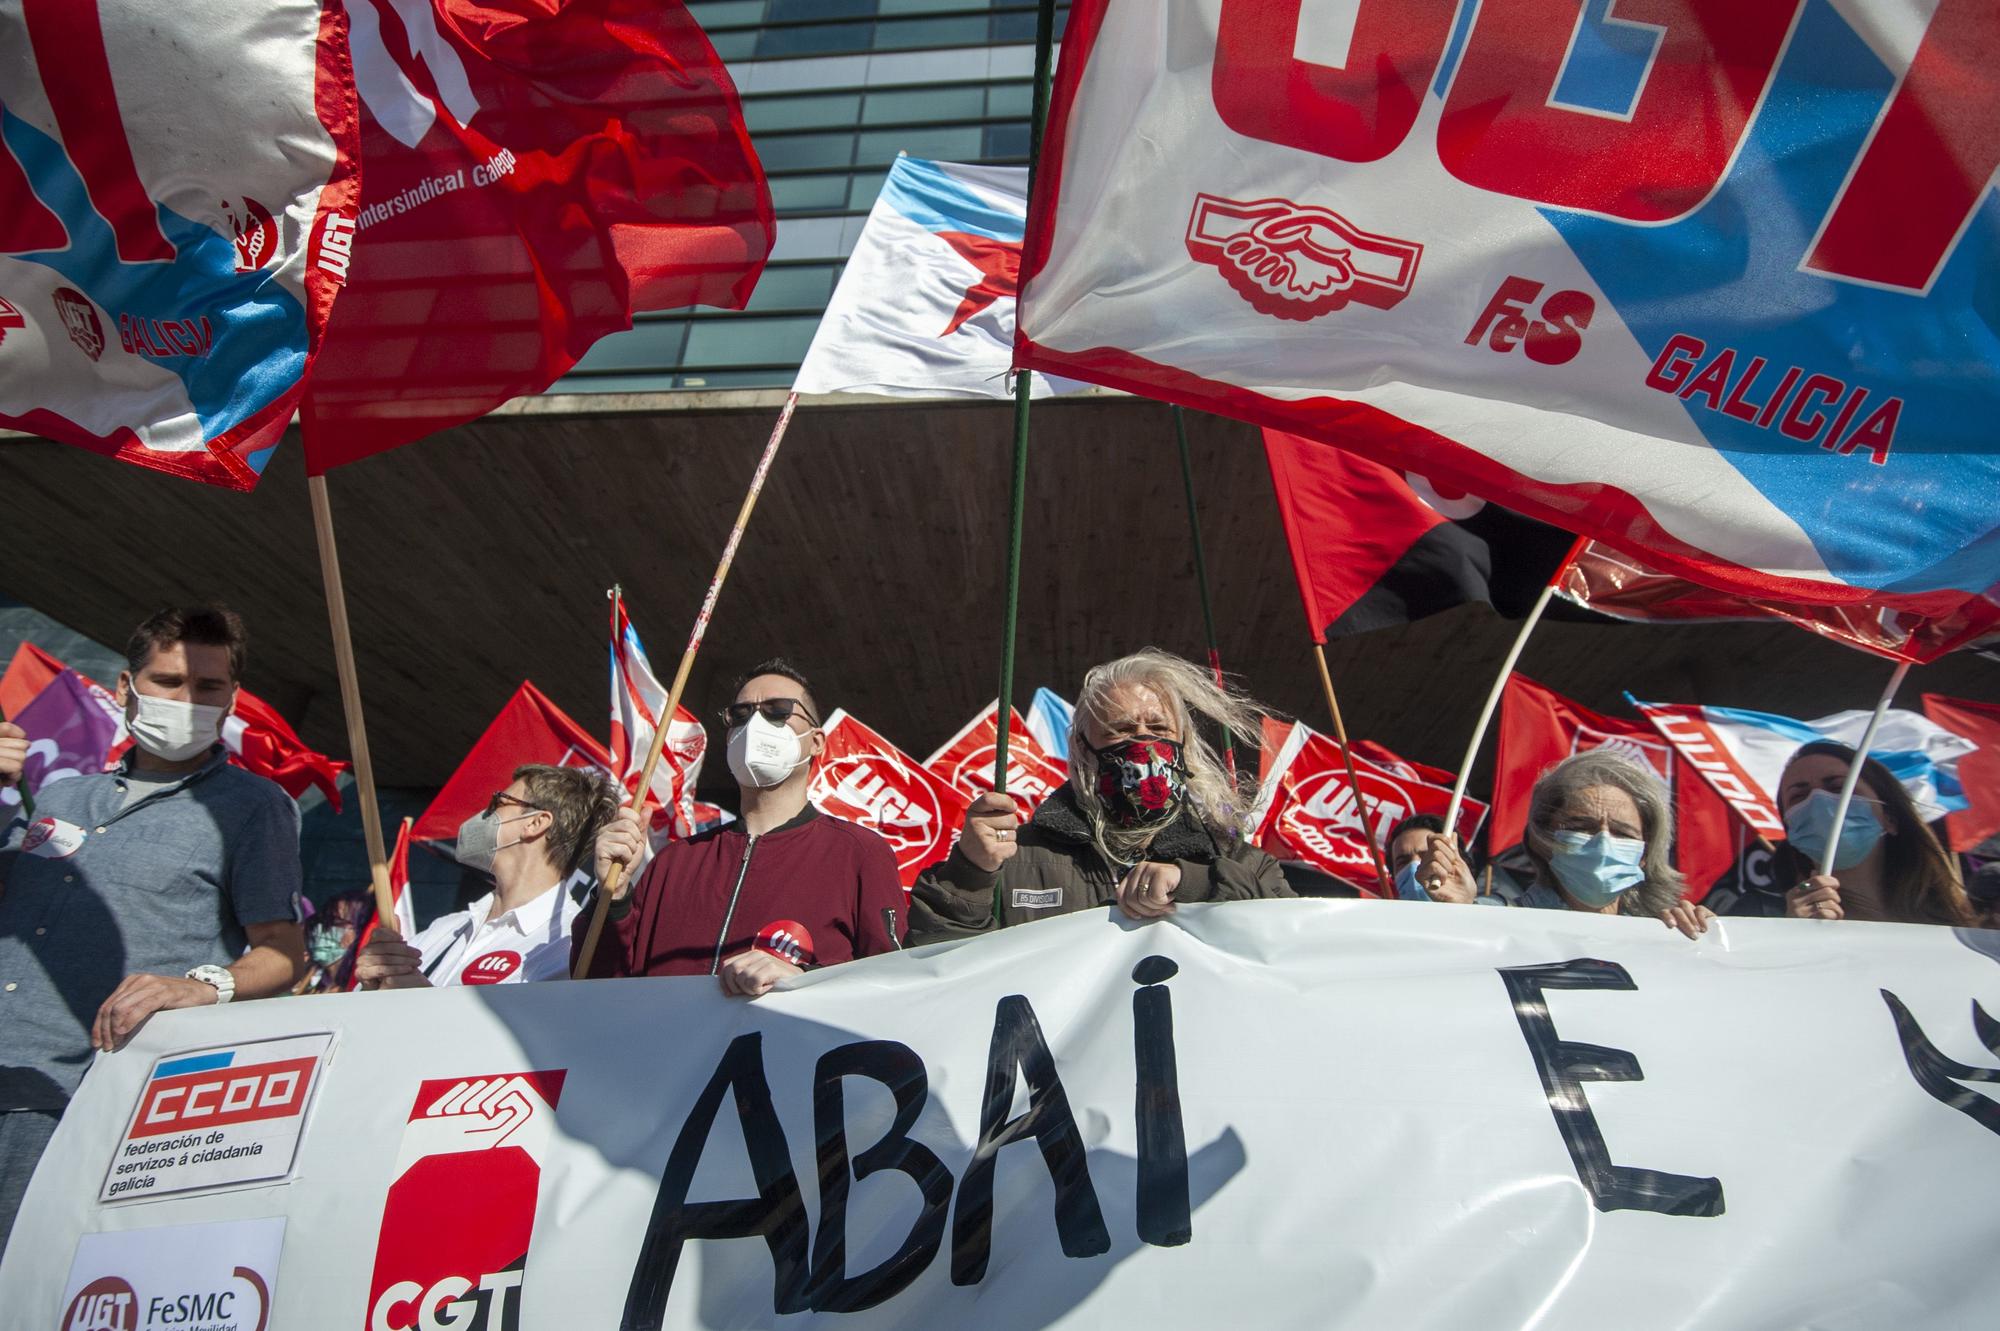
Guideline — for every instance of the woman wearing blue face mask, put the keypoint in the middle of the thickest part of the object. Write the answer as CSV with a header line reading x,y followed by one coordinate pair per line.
x,y
1887,865
1599,827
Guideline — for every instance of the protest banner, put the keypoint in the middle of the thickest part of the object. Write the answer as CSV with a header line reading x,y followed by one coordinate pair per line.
x,y
1706,286
168,261
867,780
1272,1113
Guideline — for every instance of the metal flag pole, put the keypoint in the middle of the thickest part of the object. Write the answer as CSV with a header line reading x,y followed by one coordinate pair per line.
x,y
1854,768
350,704
1500,685
1201,576
1045,26
614,880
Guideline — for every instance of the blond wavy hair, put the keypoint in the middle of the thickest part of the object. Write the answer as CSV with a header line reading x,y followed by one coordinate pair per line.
x,y
1219,798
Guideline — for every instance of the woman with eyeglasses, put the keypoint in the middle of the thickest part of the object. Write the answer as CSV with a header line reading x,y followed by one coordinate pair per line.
x,y
1887,864
1149,818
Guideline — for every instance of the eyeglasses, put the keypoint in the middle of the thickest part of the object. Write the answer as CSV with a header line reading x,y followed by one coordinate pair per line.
x,y
501,797
775,710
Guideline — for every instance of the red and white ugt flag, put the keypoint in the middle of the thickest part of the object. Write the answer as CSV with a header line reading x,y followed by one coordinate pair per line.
x,y
536,174
177,194
965,761
637,700
1309,811
867,780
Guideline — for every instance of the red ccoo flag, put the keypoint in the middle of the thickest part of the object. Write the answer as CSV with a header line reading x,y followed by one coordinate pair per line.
x,y
535,175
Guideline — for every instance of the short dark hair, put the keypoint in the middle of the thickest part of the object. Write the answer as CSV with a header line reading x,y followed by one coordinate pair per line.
x,y
778,665
206,625
579,799
1416,822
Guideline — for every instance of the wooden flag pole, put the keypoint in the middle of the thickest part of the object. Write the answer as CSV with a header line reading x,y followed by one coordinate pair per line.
x,y
1353,779
1017,498
350,704
1500,685
613,882
1854,768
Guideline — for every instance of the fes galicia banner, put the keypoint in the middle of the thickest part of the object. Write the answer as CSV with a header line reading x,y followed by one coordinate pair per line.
x,y
177,202
1086,1123
867,780
1703,281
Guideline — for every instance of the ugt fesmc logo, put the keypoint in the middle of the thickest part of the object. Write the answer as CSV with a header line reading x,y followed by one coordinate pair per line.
x,y
453,1250
1297,262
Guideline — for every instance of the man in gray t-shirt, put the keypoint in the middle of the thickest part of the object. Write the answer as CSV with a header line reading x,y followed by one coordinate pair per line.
x,y
171,882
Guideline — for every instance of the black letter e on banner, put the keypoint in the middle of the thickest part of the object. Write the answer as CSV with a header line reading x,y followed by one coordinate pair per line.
x,y
1565,1065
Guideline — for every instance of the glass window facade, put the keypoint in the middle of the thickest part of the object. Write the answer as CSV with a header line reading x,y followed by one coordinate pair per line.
x,y
832,90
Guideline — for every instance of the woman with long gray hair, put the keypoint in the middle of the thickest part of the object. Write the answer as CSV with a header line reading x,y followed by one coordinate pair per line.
x,y
1149,818
1600,828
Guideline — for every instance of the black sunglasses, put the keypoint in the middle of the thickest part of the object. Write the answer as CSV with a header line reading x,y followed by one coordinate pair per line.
x,y
501,797
775,710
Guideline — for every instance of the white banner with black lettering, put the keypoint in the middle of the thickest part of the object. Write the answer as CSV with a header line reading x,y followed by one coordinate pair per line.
x,y
1297,1113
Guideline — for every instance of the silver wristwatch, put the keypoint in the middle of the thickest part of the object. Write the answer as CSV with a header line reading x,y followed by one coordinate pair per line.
x,y
218,976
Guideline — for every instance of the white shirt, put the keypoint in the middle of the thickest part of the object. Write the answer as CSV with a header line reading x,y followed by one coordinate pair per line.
x,y
530,942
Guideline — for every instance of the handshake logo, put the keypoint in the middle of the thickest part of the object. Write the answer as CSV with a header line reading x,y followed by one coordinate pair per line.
x,y
1296,262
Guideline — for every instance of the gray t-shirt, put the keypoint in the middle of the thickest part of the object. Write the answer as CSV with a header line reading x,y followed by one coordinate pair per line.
x,y
97,888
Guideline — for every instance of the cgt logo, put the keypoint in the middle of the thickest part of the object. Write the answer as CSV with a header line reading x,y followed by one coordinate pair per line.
x,y
491,968
213,1097
105,1304
1296,262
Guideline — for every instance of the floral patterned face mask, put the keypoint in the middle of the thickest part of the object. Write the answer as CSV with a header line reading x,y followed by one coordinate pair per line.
x,y
1141,782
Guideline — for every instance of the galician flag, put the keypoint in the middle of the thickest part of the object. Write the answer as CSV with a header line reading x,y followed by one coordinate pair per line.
x,y
925,306
637,700
1743,754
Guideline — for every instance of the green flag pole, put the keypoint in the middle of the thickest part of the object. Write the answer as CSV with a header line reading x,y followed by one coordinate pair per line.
x,y
1201,576
1045,25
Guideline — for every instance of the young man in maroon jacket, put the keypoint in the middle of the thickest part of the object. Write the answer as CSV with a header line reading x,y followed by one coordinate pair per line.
x,y
782,889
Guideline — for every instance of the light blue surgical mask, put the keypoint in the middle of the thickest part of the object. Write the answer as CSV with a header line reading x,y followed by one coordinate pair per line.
x,y
1597,870
1407,886
1808,822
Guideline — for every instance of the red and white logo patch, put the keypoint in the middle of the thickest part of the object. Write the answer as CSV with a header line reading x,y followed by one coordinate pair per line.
x,y
787,940
1297,262
52,839
10,317
79,319
105,1304
491,968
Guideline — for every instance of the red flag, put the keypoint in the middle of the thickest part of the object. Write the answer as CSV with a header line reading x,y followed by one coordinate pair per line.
x,y
29,672
399,892
965,761
1978,771
867,780
1618,585
533,176
1372,546
261,741
529,729
1310,812
1540,727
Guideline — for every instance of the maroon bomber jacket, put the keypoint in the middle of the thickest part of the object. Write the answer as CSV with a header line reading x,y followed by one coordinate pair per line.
x,y
705,899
